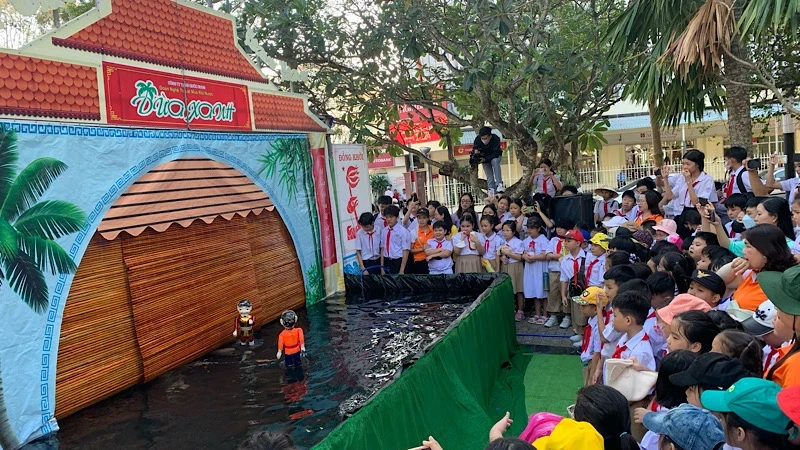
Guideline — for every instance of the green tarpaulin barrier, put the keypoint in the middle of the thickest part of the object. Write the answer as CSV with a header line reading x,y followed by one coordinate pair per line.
x,y
454,391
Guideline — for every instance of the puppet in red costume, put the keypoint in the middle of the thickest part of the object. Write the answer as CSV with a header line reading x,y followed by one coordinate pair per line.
x,y
245,323
291,340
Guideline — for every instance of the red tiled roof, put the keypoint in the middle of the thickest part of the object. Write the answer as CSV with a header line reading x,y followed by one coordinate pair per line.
x,y
282,113
38,87
166,33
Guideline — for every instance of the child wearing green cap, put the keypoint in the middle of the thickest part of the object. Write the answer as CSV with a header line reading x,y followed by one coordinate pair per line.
x,y
750,414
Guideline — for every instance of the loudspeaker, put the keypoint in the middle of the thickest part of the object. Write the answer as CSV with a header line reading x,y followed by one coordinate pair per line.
x,y
577,208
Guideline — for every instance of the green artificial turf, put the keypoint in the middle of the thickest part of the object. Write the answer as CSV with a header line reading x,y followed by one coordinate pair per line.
x,y
551,382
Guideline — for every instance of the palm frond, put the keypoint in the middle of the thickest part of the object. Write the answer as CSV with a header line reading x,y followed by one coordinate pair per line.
x,y
50,219
770,17
29,185
8,241
704,40
25,278
47,255
8,159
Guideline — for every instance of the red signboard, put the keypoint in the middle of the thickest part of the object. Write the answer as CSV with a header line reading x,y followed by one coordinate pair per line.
x,y
382,160
136,96
415,129
465,149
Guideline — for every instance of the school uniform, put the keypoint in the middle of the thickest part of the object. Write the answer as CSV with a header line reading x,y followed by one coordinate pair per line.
x,y
795,248
769,356
732,185
590,344
395,240
789,186
611,335
603,207
545,185
658,342
630,216
595,269
571,265
370,244
490,245
469,260
554,305
703,187
380,223
732,235
570,270
637,346
443,266
513,268
533,272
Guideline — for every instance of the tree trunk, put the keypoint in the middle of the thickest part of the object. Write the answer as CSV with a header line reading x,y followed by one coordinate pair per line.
x,y
527,153
8,439
655,129
56,19
740,126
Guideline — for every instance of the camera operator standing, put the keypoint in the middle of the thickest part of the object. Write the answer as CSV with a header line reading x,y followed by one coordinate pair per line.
x,y
486,151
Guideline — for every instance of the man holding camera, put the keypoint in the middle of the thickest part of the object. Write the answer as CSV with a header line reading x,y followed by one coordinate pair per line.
x,y
486,151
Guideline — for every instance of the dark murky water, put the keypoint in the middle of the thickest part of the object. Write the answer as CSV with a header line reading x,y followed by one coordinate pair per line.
x,y
354,349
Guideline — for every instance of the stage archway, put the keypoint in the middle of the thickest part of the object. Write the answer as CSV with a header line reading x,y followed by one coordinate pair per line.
x,y
159,281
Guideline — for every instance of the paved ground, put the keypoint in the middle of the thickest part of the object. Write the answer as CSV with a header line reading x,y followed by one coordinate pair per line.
x,y
539,339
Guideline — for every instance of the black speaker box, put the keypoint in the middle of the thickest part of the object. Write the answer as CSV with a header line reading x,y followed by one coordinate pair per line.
x,y
577,208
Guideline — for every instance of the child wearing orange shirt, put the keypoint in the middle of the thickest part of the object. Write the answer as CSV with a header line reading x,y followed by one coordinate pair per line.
x,y
291,340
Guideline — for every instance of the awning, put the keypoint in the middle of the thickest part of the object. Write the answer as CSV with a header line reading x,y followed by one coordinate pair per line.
x,y
181,192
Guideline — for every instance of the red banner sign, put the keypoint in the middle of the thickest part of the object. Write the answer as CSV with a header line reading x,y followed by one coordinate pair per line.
x,y
465,149
382,160
143,97
413,128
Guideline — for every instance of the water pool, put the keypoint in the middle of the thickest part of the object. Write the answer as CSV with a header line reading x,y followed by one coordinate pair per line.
x,y
355,347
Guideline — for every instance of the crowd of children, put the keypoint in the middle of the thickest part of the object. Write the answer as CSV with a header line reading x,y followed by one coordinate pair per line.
x,y
680,317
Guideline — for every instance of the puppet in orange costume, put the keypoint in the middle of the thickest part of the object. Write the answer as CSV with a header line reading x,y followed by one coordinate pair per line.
x,y
291,340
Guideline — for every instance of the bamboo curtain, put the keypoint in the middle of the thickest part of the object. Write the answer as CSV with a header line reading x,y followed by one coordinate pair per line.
x,y
140,306
97,354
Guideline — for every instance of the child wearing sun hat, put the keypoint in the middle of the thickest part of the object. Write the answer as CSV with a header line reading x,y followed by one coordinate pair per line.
x,y
750,413
687,427
590,342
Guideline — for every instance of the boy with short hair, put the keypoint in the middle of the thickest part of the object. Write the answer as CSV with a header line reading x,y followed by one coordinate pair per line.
x,y
628,209
554,253
629,314
590,301
607,204
613,279
384,201
396,242
735,204
709,287
662,289
368,245
571,265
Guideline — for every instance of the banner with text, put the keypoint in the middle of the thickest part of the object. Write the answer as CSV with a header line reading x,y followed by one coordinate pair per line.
x,y
136,96
352,188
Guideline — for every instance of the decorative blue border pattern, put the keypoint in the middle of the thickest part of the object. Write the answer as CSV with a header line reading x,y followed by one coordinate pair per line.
x,y
96,215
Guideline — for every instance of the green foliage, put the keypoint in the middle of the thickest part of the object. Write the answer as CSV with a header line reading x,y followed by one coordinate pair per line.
x,y
593,138
378,183
28,228
315,284
495,62
767,18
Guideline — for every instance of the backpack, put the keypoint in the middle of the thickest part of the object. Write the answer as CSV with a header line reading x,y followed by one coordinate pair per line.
x,y
576,284
742,188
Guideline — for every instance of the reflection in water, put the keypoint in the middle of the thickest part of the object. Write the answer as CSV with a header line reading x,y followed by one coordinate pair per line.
x,y
354,348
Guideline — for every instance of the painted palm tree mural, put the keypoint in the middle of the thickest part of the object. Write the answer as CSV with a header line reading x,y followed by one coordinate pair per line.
x,y
288,164
28,229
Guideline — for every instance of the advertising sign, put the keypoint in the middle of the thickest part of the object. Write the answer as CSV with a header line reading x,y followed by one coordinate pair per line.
x,y
142,97
382,160
413,128
352,186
